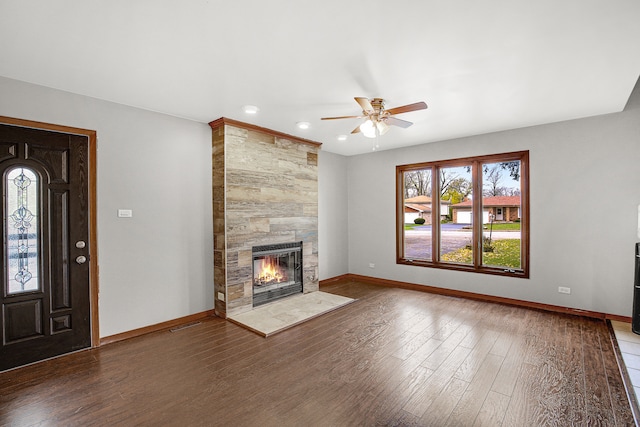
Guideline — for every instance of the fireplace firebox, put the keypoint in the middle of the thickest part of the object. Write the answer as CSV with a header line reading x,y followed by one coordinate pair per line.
x,y
277,271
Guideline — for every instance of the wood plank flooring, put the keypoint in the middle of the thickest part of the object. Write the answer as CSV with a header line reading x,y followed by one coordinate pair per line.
x,y
395,357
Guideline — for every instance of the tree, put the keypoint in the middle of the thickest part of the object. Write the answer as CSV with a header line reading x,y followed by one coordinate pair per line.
x,y
417,183
447,177
511,192
457,190
513,168
491,179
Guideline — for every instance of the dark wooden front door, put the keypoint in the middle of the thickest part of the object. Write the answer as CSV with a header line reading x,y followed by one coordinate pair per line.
x,y
45,296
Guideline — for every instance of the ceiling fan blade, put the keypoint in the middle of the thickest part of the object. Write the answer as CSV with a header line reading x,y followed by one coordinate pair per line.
x,y
407,108
365,104
341,117
397,122
356,130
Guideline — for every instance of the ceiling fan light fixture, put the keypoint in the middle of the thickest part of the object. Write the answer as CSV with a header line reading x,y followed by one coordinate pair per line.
x,y
342,137
382,128
303,125
368,129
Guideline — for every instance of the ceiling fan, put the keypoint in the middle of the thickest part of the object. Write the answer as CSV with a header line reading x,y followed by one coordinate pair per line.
x,y
378,118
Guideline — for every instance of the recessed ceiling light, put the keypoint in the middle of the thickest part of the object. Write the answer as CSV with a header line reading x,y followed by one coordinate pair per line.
x,y
342,137
303,125
250,109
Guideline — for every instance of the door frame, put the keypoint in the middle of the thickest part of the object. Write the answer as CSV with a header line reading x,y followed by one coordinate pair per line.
x,y
93,234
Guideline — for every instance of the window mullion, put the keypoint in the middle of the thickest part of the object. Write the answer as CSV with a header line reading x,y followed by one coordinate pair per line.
x,y
435,208
400,236
476,176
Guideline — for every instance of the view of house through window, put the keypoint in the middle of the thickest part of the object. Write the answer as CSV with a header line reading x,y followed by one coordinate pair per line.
x,y
501,215
456,237
467,214
417,213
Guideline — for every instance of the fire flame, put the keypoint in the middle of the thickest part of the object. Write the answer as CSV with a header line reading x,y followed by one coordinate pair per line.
x,y
269,272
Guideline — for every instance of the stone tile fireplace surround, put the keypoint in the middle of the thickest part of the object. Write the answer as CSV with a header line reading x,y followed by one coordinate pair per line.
x,y
265,191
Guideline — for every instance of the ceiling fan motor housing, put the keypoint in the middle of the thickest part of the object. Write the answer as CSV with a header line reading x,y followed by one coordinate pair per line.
x,y
378,112
377,104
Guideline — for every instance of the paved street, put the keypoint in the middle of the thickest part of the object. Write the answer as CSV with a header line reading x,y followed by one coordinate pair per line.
x,y
418,242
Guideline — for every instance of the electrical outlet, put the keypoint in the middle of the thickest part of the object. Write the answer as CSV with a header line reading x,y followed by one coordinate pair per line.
x,y
372,265
564,290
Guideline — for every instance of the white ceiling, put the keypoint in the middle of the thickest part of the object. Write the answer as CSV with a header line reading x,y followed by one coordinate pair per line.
x,y
480,66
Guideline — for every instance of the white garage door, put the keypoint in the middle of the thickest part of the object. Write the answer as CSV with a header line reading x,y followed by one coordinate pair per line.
x,y
465,217
410,216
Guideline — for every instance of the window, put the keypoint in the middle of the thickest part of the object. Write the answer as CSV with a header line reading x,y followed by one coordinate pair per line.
x,y
466,214
21,228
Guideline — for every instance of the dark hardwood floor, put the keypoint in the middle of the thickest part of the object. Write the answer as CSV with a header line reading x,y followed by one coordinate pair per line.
x,y
395,357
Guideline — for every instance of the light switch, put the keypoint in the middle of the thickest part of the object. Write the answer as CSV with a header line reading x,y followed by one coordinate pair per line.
x,y
125,213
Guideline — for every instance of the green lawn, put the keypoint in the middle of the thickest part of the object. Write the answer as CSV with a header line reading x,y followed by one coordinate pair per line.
x,y
506,253
503,226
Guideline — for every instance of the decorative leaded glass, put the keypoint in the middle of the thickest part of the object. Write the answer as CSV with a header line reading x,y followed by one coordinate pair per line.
x,y
21,228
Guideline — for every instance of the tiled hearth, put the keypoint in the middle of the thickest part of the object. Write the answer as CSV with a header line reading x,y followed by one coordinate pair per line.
x,y
629,345
265,191
273,318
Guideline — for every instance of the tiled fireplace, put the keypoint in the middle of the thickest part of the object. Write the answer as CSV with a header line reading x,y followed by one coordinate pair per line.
x,y
265,198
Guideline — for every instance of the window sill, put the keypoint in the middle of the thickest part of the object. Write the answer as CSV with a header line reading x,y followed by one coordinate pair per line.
x,y
497,271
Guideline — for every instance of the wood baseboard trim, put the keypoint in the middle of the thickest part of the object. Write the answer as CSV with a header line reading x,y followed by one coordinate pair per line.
x,y
382,282
625,319
157,327
474,296
332,280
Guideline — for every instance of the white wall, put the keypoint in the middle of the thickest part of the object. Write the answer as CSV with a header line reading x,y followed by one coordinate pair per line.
x,y
333,209
578,169
156,266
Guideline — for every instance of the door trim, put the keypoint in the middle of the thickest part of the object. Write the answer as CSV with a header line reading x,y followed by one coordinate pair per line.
x,y
93,234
